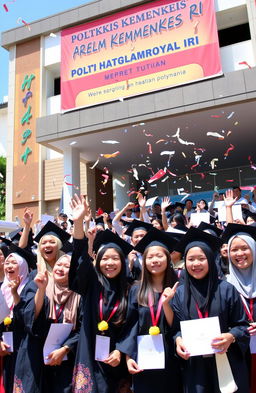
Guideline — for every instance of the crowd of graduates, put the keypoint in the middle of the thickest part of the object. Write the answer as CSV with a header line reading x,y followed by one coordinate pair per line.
x,y
125,282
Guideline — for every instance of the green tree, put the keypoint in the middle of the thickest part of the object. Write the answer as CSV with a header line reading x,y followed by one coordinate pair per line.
x,y
2,186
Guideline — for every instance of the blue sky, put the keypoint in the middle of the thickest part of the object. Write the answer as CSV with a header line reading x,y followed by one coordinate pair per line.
x,y
29,11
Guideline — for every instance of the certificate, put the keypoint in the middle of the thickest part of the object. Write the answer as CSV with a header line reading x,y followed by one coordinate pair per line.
x,y
197,218
253,344
4,309
102,347
198,334
150,352
57,335
8,339
236,212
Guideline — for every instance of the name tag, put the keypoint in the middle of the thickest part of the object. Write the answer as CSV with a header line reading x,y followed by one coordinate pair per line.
x,y
151,352
102,347
8,339
253,344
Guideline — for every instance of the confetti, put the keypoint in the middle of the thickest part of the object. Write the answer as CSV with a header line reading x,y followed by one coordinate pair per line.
x,y
177,135
251,163
5,7
198,186
180,190
200,149
148,135
119,183
94,165
106,177
245,63
20,21
157,176
212,163
247,188
52,35
121,99
110,142
135,174
229,132
69,184
194,166
184,155
215,134
149,148
172,174
213,173
202,175
160,140
185,196
167,152
216,116
230,115
105,169
236,123
230,180
112,155
229,150
102,192
166,177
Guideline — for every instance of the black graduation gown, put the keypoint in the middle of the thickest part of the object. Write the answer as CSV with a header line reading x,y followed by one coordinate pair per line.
x,y
90,375
138,322
17,327
200,374
31,374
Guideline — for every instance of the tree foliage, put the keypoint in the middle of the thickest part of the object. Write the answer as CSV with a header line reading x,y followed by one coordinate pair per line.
x,y
2,186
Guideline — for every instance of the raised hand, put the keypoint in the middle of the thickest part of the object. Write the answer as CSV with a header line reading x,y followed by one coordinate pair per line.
x,y
165,203
229,198
141,200
27,217
14,285
80,208
41,279
169,293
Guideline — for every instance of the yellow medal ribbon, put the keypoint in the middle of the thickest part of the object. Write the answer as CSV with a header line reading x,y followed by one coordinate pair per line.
x,y
154,330
102,325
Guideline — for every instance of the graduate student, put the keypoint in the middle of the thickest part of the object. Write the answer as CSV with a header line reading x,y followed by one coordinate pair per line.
x,y
203,295
149,314
48,301
103,287
242,267
15,280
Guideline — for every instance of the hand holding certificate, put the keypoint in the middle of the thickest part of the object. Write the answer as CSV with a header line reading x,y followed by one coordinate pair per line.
x,y
57,335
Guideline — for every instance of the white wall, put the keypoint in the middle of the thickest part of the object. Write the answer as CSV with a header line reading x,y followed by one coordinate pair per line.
x,y
3,131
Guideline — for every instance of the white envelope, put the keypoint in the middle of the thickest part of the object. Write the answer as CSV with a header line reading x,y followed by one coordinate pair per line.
x,y
197,335
102,347
8,339
57,335
253,344
151,352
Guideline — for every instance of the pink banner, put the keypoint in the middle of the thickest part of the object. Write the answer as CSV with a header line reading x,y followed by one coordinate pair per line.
x,y
154,46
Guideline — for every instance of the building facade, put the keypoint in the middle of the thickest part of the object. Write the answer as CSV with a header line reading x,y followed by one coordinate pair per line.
x,y
197,136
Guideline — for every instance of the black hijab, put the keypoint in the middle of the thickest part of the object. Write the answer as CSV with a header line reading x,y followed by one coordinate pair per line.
x,y
200,291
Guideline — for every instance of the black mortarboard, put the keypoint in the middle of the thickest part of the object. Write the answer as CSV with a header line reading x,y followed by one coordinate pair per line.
x,y
137,224
71,221
51,229
194,235
125,223
247,213
15,235
233,229
178,204
67,247
28,256
99,221
107,237
4,246
204,227
155,237
181,227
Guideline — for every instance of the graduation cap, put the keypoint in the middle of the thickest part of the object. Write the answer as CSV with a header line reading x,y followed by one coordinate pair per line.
x,y
178,204
181,227
204,227
16,235
67,247
71,221
107,237
233,229
99,221
136,225
52,229
155,237
194,235
4,246
28,256
247,213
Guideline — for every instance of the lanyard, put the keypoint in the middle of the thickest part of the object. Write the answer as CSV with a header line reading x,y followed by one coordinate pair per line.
x,y
154,318
101,308
248,310
200,314
59,311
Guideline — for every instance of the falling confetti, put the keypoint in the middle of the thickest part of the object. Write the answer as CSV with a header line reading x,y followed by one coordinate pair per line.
x,y
135,174
110,142
245,63
251,163
166,177
94,165
102,192
230,115
69,184
20,21
148,135
236,123
177,135
230,180
202,175
149,148
215,134
119,183
216,116
112,155
52,35
229,132
157,176
213,161
106,177
229,150
198,186
184,155
160,140
171,173
185,196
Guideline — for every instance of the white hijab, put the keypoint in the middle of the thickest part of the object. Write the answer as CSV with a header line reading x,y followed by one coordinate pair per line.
x,y
23,272
243,279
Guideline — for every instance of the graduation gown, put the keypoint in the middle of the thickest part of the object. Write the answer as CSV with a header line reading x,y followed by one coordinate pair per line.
x,y
138,322
9,361
199,373
90,375
31,374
